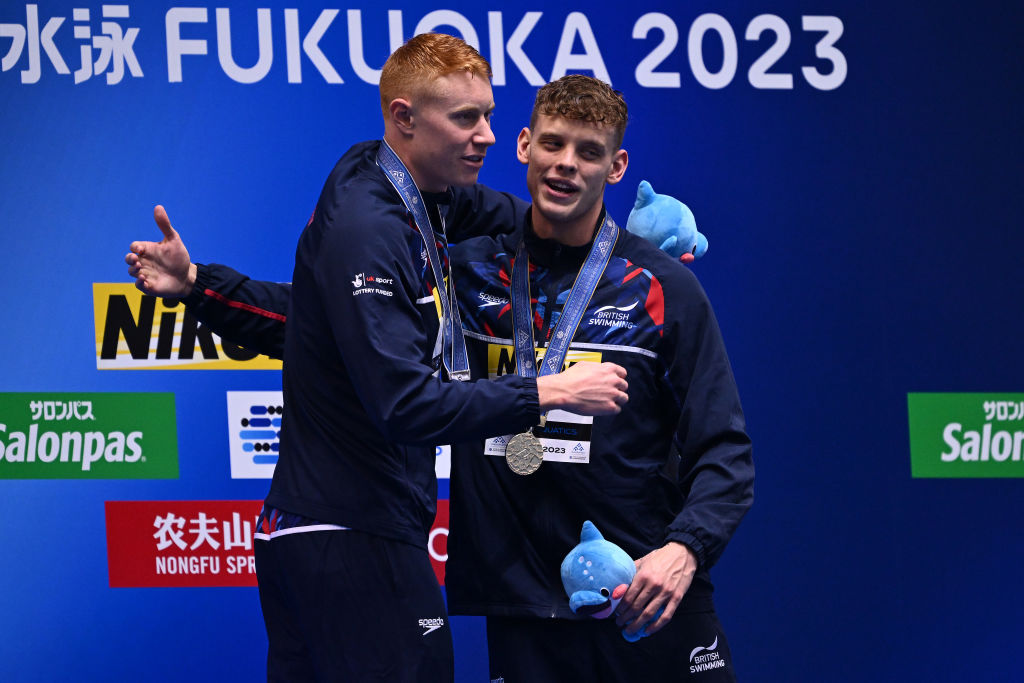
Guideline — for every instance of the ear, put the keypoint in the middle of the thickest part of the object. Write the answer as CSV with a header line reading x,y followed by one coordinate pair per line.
x,y
523,146
401,115
620,160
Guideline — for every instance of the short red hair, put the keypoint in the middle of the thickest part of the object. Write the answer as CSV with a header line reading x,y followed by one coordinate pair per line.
x,y
411,70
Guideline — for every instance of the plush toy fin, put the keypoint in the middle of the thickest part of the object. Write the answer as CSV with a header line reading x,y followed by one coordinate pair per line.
x,y
589,532
642,633
587,602
644,195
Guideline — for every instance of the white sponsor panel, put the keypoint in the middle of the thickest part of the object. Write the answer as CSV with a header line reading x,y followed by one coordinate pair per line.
x,y
254,422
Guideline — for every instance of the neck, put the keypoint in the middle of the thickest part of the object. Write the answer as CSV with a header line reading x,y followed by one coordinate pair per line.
x,y
402,149
575,233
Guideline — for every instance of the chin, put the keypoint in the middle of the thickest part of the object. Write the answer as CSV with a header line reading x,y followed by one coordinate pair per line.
x,y
465,181
556,213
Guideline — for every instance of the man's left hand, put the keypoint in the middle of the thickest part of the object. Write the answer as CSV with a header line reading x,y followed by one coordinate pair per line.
x,y
662,578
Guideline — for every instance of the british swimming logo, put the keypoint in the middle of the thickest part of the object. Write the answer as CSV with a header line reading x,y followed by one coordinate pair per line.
x,y
706,658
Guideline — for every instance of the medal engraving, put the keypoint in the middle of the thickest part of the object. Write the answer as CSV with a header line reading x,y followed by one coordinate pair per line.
x,y
524,454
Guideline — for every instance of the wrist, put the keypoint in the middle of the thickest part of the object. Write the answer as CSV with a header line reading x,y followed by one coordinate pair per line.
x,y
190,280
550,394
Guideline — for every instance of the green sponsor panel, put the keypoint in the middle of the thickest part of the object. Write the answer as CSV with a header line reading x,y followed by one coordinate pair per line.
x,y
966,435
88,436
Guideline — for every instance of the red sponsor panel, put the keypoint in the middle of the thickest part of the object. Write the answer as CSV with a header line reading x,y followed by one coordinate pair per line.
x,y
181,543
437,543
203,543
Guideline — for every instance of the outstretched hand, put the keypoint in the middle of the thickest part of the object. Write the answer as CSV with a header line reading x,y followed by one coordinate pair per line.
x,y
662,578
162,268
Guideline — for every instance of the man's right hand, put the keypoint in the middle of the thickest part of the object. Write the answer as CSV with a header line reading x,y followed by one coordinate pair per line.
x,y
585,389
162,268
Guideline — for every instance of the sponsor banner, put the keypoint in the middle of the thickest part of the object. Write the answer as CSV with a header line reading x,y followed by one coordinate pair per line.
x,y
180,544
88,436
443,464
115,44
135,331
501,359
203,543
437,542
254,422
966,435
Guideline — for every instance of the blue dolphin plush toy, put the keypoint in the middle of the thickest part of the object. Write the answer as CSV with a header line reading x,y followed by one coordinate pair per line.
x,y
595,575
666,222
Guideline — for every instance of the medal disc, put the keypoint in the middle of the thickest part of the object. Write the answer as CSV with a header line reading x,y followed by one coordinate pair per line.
x,y
524,454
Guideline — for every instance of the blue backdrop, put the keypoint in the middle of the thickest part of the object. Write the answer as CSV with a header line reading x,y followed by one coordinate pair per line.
x,y
864,245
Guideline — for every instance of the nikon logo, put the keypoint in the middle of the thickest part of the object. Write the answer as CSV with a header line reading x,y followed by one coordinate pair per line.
x,y
135,331
88,436
966,435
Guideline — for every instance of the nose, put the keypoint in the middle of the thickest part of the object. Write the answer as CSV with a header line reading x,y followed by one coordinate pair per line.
x,y
565,161
483,136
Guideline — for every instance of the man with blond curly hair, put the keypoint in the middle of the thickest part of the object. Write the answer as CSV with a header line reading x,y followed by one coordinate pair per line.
x,y
668,478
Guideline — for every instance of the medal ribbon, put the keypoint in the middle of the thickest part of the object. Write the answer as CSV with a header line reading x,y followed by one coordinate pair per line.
x,y
453,342
575,306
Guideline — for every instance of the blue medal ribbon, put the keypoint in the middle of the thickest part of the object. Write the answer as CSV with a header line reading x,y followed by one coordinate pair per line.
x,y
575,306
453,342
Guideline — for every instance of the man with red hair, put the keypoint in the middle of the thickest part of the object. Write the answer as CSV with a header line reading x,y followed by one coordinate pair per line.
x,y
373,381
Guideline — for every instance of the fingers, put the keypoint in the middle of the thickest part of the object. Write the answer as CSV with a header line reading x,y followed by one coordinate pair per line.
x,y
662,621
651,610
163,222
617,369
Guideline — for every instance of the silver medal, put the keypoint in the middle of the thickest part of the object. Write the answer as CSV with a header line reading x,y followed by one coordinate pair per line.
x,y
524,454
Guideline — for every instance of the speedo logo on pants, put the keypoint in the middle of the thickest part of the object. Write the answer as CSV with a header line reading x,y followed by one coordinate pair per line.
x,y
706,658
431,625
88,436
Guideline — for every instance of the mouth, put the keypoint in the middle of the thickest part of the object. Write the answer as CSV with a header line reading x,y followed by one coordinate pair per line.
x,y
599,611
475,159
561,188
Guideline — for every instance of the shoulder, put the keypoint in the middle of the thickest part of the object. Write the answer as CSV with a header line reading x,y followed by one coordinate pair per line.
x,y
484,246
676,279
357,197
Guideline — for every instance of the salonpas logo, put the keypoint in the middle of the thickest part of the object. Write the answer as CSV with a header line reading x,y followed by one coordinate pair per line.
x,y
88,436
135,331
966,435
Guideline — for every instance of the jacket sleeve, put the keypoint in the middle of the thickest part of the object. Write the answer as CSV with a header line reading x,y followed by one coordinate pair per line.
x,y
247,312
716,469
479,210
378,328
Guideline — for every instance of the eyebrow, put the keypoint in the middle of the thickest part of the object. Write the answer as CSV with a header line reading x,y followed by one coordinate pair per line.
x,y
473,108
595,145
